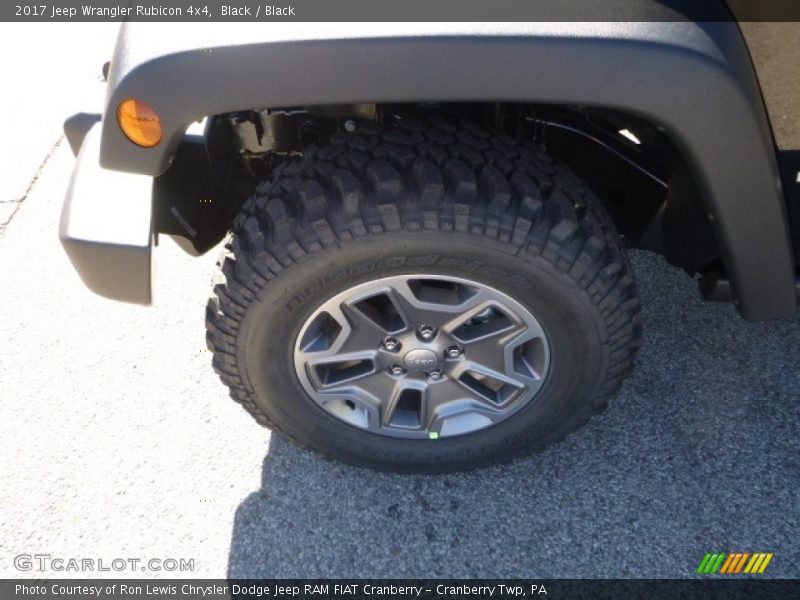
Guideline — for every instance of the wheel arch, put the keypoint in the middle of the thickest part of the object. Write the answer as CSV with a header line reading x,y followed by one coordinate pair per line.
x,y
693,80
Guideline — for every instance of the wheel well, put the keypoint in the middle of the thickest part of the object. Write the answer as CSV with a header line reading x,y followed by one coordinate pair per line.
x,y
638,173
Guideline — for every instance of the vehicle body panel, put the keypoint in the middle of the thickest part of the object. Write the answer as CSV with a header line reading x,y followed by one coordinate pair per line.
x,y
106,226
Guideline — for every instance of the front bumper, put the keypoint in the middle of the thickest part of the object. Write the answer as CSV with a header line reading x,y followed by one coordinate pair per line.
x,y
107,226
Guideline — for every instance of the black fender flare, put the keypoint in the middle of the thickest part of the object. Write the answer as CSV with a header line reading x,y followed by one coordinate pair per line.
x,y
694,80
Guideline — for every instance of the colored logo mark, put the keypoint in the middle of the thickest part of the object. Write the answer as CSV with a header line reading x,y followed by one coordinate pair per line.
x,y
732,563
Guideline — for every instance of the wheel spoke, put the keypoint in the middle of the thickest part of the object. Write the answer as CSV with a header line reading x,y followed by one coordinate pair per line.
x,y
438,398
352,409
405,406
456,404
442,308
489,386
490,351
363,334
378,387
341,370
365,318
485,320
416,311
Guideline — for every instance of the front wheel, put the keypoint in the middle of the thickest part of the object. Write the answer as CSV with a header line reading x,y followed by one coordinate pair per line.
x,y
424,299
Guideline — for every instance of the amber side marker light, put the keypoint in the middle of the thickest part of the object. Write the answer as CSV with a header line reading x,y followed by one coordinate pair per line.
x,y
139,122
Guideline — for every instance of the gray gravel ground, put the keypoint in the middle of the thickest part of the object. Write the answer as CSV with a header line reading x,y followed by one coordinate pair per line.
x,y
117,440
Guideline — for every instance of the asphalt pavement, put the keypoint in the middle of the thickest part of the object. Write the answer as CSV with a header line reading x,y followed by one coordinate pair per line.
x,y
117,440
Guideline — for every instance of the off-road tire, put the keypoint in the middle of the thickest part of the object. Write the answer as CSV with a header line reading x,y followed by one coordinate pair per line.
x,y
461,201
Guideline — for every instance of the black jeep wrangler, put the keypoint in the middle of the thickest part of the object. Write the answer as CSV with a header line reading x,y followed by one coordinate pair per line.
x,y
425,225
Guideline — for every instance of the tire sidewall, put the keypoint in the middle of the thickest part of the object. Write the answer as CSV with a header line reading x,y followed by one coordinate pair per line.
x,y
572,323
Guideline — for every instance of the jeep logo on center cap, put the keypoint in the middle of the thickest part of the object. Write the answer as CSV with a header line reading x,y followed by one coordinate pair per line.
x,y
421,360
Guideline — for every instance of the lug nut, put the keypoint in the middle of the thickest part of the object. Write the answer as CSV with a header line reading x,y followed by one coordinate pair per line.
x,y
391,344
453,352
434,375
426,332
397,371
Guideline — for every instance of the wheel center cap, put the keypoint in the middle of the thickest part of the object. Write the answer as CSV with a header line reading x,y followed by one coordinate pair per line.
x,y
421,359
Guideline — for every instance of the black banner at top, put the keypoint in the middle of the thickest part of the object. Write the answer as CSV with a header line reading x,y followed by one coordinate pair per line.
x,y
253,11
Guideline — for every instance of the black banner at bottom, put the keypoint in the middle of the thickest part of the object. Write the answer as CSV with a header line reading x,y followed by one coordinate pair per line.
x,y
399,589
